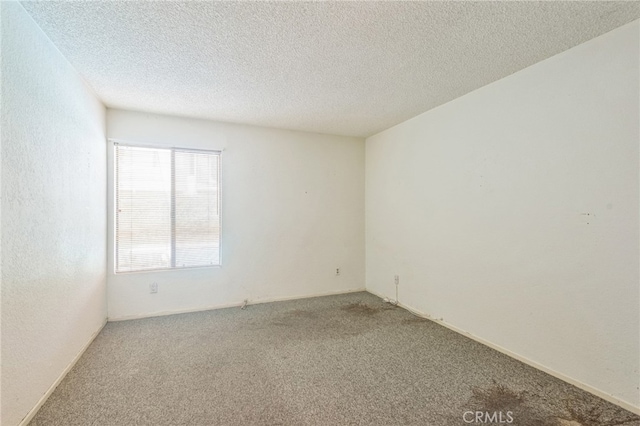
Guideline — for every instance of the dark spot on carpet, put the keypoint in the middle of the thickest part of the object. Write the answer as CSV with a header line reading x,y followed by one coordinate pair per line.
x,y
500,399
363,309
497,397
414,320
298,325
528,409
580,414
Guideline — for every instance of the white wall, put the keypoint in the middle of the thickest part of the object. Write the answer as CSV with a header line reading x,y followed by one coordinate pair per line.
x,y
53,214
292,212
512,213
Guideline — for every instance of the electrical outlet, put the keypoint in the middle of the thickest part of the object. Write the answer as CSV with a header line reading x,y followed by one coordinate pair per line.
x,y
337,271
153,288
396,279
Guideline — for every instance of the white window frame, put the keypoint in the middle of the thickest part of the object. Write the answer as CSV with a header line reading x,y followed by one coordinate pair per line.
x,y
115,143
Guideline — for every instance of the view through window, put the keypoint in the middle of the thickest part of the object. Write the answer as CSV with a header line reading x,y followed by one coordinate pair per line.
x,y
167,208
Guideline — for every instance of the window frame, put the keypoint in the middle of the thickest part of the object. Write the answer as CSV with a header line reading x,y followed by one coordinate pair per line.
x,y
172,148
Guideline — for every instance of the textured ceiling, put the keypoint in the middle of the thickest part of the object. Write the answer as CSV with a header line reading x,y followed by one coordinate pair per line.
x,y
349,68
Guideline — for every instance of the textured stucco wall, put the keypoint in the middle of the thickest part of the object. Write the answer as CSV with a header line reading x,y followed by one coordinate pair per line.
x,y
512,213
292,212
53,214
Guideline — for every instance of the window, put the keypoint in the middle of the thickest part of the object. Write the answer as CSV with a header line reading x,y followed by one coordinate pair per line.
x,y
167,208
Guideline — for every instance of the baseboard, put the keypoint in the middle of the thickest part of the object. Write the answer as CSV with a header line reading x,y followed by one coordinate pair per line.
x,y
232,305
597,392
25,421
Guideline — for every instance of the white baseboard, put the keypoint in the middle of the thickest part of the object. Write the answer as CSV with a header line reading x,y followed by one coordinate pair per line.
x,y
62,375
597,392
232,305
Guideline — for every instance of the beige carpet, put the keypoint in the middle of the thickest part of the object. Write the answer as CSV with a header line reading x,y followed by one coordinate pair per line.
x,y
337,360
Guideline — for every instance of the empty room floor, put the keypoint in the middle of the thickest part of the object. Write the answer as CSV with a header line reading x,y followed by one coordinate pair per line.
x,y
337,360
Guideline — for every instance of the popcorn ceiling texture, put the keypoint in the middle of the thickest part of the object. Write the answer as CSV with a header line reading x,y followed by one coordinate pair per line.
x,y
349,68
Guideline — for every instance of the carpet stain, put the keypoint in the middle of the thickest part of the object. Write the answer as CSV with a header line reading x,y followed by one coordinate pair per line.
x,y
504,401
359,308
413,320
299,325
497,397
530,410
580,414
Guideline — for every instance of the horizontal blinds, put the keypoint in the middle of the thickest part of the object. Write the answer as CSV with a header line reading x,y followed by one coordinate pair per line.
x,y
197,216
167,208
143,208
